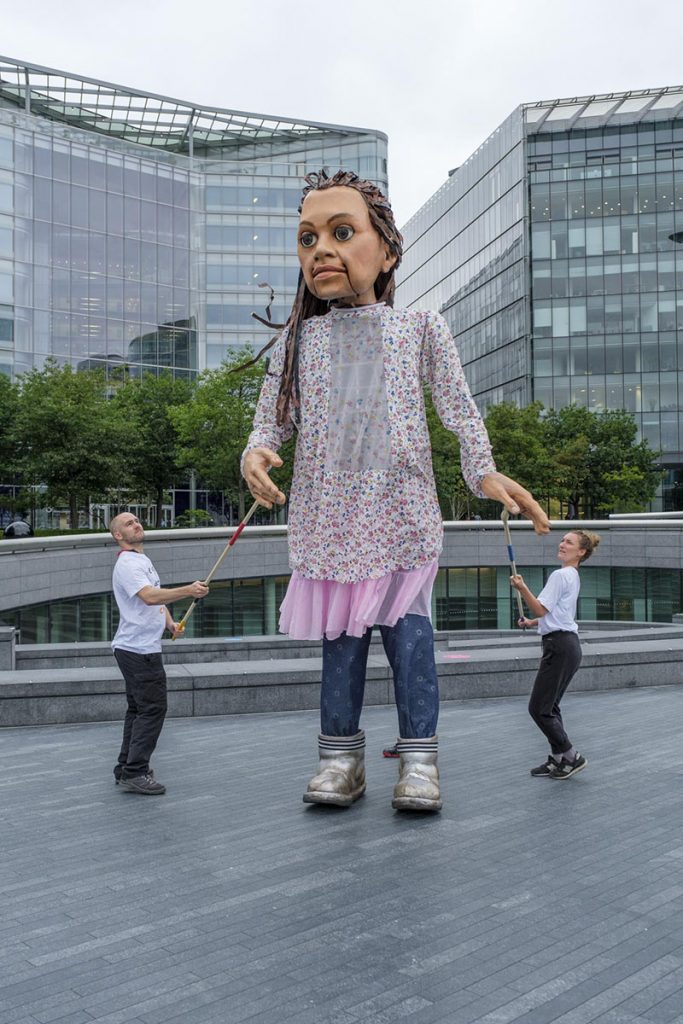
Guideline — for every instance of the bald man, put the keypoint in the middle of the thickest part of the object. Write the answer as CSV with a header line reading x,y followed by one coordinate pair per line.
x,y
137,649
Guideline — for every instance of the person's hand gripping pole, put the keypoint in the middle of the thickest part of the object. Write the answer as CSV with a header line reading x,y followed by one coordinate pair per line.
x,y
183,622
511,556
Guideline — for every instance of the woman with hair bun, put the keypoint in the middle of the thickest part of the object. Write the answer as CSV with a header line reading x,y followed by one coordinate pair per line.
x,y
365,531
555,607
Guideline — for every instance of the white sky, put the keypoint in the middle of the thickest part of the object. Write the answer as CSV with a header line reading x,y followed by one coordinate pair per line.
x,y
436,75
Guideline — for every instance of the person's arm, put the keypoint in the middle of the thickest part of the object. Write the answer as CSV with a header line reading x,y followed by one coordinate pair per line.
x,y
532,603
526,623
166,595
442,371
171,624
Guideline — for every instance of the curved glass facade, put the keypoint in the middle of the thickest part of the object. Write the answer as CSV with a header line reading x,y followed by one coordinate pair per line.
x,y
135,229
97,251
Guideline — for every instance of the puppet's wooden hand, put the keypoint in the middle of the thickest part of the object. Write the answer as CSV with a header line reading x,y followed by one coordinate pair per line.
x,y
516,499
257,463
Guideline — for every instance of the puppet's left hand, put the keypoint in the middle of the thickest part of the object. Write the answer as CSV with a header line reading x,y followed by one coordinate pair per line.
x,y
516,499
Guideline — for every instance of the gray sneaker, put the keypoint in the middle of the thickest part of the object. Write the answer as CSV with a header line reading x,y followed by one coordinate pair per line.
x,y
565,769
145,785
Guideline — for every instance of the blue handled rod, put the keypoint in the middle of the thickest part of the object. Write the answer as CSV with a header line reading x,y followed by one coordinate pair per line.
x,y
511,556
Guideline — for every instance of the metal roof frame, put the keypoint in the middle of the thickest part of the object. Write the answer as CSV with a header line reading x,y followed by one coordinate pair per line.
x,y
614,108
145,118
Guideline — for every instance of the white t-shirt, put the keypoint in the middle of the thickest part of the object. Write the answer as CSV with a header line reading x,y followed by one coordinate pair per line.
x,y
559,596
141,625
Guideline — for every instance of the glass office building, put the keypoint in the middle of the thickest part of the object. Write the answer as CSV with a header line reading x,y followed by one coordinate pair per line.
x,y
135,229
556,255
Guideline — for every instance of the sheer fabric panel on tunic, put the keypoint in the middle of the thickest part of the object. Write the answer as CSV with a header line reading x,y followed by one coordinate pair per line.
x,y
358,433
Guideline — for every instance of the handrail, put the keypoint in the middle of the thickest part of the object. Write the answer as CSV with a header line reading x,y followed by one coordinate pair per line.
x,y
645,515
12,546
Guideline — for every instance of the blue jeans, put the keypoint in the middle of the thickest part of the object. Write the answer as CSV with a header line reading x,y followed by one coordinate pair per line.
x,y
409,646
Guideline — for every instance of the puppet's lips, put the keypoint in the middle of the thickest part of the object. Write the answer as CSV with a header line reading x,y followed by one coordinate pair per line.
x,y
325,271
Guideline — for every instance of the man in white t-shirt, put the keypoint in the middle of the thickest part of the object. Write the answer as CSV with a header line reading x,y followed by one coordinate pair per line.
x,y
137,648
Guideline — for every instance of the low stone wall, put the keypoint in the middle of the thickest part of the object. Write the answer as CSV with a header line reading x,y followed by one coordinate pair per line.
x,y
502,666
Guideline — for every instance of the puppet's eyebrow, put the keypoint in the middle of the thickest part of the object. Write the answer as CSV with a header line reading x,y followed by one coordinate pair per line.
x,y
335,216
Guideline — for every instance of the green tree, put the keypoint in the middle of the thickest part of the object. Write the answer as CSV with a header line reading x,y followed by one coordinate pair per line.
x,y
214,426
519,446
68,438
599,467
147,405
590,463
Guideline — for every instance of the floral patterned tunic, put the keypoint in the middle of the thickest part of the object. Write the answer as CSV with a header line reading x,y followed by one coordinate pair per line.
x,y
363,502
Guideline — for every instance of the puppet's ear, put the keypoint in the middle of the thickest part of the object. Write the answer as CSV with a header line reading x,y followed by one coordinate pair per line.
x,y
389,260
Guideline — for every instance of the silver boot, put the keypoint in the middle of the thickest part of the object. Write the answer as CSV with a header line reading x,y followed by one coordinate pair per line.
x,y
341,779
417,788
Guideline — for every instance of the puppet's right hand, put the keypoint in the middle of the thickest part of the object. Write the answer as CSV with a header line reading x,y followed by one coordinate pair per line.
x,y
257,463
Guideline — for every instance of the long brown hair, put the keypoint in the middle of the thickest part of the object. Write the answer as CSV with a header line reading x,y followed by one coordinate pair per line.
x,y
307,305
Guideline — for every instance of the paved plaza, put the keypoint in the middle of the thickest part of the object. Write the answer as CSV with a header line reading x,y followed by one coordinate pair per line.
x,y
229,900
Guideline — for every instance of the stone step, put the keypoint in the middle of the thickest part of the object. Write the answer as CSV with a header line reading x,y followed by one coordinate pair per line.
x,y
93,694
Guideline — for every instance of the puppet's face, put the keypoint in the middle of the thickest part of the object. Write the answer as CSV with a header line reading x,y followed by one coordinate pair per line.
x,y
340,252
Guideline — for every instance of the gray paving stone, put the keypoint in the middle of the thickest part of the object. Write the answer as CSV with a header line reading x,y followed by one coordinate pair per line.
x,y
228,900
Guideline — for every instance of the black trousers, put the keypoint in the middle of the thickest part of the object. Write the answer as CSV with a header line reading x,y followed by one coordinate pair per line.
x,y
559,662
147,702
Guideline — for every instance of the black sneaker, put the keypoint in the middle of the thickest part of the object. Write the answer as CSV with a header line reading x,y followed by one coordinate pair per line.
x,y
391,751
145,785
565,769
544,770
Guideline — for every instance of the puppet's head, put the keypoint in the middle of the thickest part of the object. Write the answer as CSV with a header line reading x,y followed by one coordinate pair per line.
x,y
381,219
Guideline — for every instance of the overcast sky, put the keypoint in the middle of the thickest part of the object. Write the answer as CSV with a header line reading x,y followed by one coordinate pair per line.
x,y
437,76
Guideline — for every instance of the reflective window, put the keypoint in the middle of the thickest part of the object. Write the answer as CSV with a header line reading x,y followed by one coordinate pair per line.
x,y
114,241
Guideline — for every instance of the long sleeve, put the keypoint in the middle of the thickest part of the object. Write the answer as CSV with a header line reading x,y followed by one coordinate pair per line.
x,y
442,371
265,432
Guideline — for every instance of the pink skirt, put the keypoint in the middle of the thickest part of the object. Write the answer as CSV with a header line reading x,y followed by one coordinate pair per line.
x,y
313,609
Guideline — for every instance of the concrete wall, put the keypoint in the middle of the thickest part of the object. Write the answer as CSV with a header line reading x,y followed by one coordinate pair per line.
x,y
506,668
47,569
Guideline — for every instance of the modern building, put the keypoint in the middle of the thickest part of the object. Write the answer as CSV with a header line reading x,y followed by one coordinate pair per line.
x,y
136,228
555,252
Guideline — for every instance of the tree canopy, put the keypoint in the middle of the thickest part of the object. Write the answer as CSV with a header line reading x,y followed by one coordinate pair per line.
x,y
67,435
585,463
74,437
148,405
214,427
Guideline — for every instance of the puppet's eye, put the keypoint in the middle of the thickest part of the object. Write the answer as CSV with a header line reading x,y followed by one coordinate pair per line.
x,y
307,239
343,233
